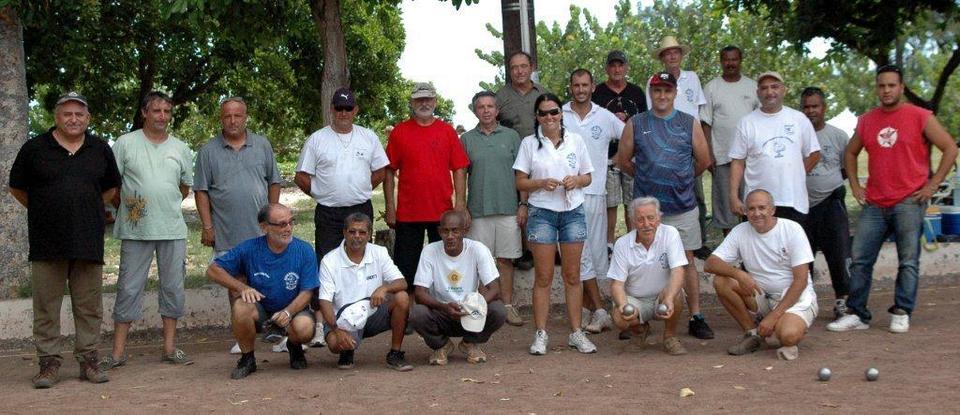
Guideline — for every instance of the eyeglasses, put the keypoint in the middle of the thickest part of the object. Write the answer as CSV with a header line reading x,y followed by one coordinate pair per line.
x,y
281,225
554,111
343,108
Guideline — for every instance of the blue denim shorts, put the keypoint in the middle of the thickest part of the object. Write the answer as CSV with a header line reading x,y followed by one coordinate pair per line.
x,y
545,226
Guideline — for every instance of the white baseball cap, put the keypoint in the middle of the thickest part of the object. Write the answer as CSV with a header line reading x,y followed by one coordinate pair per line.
x,y
353,316
474,307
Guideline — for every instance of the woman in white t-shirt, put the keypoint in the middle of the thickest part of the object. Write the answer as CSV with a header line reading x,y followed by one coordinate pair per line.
x,y
553,166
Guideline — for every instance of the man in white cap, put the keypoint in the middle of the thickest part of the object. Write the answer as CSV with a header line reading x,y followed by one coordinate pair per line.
x,y
451,275
360,272
774,148
689,98
646,272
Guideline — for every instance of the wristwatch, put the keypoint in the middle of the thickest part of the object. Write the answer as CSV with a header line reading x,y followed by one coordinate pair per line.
x,y
523,203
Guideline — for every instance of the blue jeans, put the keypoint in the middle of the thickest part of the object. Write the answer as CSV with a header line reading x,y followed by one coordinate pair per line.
x,y
545,226
905,222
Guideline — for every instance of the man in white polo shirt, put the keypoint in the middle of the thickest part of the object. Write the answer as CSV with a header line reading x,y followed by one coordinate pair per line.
x,y
598,127
646,271
449,271
339,167
772,295
774,148
358,271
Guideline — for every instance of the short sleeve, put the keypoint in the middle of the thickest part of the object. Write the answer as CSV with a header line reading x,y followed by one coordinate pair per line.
x,y
486,265
308,157
232,261
202,174
118,149
458,156
387,268
701,99
810,141
798,245
615,124
328,286
186,163
308,268
524,162
618,262
583,155
738,147
20,174
111,177
393,148
379,159
676,257
273,171
706,110
729,249
425,269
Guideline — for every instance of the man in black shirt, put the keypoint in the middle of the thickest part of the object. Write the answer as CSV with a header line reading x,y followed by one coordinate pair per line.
x,y
63,177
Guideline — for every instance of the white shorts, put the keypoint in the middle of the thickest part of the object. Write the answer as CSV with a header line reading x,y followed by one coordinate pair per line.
x,y
806,306
593,259
646,305
499,233
688,224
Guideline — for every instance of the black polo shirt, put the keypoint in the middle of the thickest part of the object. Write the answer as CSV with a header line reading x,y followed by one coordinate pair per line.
x,y
65,215
631,100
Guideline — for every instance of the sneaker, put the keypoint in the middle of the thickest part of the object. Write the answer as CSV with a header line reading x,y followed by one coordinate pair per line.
x,y
698,328
297,360
89,368
749,343
788,353
579,340
273,333
318,339
473,352
540,340
601,320
49,373
245,366
641,333
673,347
178,357
847,323
440,356
624,335
899,321
109,362
346,360
513,316
839,308
525,262
396,361
235,349
703,252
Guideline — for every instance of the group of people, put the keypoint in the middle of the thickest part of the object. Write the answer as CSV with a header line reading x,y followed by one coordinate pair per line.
x,y
536,175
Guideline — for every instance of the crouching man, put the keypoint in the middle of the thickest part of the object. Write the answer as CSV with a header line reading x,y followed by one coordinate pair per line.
x,y
274,276
646,273
774,297
362,294
457,291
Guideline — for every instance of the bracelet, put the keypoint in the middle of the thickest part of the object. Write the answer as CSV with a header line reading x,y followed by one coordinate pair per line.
x,y
287,312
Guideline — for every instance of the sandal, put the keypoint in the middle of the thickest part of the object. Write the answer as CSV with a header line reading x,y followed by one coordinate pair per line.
x,y
109,362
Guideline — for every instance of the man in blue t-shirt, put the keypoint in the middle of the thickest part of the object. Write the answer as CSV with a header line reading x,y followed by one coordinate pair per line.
x,y
274,276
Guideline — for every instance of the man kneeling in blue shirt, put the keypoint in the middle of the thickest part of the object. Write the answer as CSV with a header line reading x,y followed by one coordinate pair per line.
x,y
275,275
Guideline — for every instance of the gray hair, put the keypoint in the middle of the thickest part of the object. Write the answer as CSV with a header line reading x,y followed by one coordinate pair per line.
x,y
763,191
643,201
237,99
263,215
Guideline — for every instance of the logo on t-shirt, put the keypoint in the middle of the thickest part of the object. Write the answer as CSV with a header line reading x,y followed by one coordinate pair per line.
x,y
788,129
595,132
776,146
663,261
887,137
290,280
454,278
689,94
572,160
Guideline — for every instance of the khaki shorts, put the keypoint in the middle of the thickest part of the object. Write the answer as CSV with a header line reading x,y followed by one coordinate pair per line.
x,y
499,233
767,302
688,224
646,305
619,188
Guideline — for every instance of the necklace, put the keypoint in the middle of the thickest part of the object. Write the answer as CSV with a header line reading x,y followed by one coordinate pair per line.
x,y
344,139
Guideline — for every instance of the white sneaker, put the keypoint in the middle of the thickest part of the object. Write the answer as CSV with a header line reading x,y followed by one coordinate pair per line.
x,y
899,323
581,342
584,317
540,340
281,347
847,323
788,353
601,320
235,349
318,340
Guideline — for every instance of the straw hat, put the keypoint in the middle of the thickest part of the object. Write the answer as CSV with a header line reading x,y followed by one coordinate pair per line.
x,y
670,42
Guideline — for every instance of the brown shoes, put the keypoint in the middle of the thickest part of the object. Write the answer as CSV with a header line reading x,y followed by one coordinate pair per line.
x,y
49,373
90,368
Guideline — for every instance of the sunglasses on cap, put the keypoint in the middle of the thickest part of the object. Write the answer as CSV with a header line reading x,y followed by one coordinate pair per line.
x,y
343,108
554,111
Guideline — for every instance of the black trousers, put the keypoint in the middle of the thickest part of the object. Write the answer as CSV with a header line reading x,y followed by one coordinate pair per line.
x,y
790,213
828,230
329,225
408,245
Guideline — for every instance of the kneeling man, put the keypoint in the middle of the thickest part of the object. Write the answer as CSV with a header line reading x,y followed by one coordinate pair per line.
x,y
646,271
362,294
774,296
457,280
275,275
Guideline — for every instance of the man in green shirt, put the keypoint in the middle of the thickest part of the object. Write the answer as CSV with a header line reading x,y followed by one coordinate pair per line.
x,y
492,199
157,171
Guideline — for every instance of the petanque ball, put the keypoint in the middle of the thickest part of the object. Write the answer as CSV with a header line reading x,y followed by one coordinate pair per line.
x,y
872,374
824,374
629,310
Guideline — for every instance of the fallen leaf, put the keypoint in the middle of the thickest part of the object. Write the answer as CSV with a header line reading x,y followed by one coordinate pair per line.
x,y
607,375
531,370
685,392
739,388
470,380
717,366
558,394
202,339
504,399
104,396
829,405
768,368
238,403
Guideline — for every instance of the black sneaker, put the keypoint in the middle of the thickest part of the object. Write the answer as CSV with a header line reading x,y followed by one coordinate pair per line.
x,y
396,361
625,335
272,333
297,360
245,366
698,328
346,360
525,262
703,252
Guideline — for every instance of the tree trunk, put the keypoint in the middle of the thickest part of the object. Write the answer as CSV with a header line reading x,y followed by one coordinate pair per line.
x,y
326,15
14,126
513,37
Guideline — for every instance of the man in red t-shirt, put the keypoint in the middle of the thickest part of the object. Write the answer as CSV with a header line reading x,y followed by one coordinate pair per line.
x,y
897,137
423,150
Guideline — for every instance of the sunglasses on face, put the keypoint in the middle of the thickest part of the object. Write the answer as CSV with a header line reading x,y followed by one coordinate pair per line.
x,y
343,108
282,225
554,111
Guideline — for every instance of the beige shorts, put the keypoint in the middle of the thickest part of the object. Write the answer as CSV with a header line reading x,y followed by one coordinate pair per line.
x,y
499,233
646,305
804,308
619,188
688,224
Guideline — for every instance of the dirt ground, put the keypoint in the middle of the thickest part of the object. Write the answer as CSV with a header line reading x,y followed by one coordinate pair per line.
x,y
919,373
